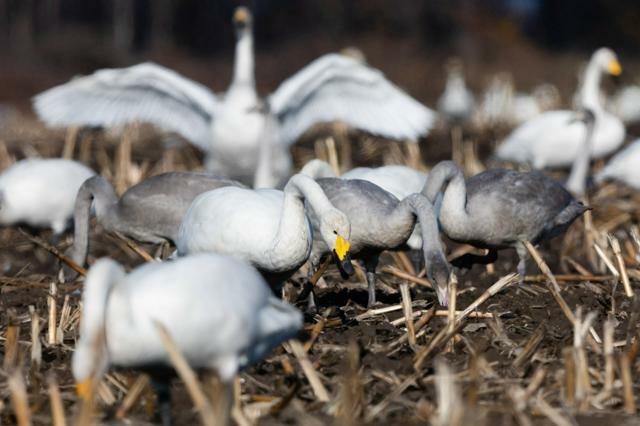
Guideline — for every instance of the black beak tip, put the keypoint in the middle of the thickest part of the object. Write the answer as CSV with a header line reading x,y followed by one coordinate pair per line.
x,y
345,265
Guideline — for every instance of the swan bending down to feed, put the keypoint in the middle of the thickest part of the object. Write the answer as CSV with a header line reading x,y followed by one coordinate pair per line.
x,y
218,311
401,181
624,166
267,227
379,221
150,211
231,128
41,192
553,139
501,208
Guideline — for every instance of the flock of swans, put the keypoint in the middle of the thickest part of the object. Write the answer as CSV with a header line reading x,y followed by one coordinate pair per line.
x,y
236,245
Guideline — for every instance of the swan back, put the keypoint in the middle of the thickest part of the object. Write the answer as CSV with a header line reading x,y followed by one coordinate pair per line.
x,y
242,223
368,208
624,166
401,181
506,206
41,192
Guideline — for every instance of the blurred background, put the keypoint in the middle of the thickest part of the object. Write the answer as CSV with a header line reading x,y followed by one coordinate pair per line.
x,y
46,42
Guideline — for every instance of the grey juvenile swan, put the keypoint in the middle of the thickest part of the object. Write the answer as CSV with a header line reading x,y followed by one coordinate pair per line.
x,y
501,208
379,221
150,211
232,128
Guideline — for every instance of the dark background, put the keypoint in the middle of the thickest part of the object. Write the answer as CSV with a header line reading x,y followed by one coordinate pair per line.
x,y
45,42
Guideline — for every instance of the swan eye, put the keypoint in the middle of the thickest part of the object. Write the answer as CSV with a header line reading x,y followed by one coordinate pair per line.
x,y
335,232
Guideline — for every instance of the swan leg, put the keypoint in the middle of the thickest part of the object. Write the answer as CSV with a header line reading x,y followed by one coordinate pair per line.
x,y
370,266
523,254
162,388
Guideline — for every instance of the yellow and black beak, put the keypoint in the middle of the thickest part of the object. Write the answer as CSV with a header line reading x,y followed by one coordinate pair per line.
x,y
614,68
341,252
241,17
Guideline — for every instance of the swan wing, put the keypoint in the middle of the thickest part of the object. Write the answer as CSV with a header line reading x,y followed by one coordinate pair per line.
x,y
339,88
146,92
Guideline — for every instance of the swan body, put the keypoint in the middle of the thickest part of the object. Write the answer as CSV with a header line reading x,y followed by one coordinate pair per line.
x,y
243,136
379,221
218,311
401,181
624,166
501,208
456,102
266,227
553,139
41,192
626,104
150,211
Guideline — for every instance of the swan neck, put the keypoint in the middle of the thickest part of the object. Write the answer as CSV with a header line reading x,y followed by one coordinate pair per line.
x,y
590,92
292,238
306,188
453,212
98,191
577,182
243,69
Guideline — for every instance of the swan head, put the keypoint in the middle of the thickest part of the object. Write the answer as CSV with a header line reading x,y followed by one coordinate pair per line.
x,y
439,274
335,230
242,18
607,61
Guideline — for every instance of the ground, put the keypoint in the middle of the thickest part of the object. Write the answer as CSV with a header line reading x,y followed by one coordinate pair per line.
x,y
516,362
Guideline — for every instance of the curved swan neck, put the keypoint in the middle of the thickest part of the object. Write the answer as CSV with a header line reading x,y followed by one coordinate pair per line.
x,y
590,91
317,169
447,177
301,186
423,210
102,278
243,69
576,184
94,189
439,178
292,238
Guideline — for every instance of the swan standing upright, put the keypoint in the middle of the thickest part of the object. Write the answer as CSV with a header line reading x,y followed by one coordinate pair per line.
x,y
267,227
237,131
456,103
379,221
553,139
218,310
501,208
41,192
150,211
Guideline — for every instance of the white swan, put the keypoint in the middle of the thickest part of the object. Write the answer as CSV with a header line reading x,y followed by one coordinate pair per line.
x,y
231,129
218,310
41,192
626,104
624,166
399,180
456,102
267,227
553,139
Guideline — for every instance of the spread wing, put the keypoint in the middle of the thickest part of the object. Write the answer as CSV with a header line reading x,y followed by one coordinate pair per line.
x,y
338,88
146,92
